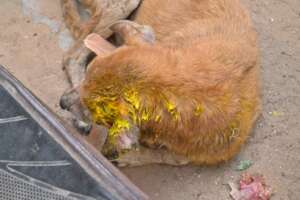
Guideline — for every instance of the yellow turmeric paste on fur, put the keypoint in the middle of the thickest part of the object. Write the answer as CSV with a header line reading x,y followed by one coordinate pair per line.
x,y
118,111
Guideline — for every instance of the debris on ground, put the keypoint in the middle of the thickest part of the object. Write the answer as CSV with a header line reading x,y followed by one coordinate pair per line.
x,y
244,164
251,187
276,113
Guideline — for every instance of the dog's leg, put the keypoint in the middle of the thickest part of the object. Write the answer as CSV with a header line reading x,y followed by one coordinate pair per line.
x,y
74,63
103,13
70,101
144,156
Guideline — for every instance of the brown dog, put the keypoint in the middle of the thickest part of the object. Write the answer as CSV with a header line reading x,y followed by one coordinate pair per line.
x,y
194,90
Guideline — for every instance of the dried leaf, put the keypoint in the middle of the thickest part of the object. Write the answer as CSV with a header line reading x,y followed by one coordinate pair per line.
x,y
243,165
276,113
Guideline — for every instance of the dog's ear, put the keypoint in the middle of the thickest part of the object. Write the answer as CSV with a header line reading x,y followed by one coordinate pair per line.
x,y
98,45
133,33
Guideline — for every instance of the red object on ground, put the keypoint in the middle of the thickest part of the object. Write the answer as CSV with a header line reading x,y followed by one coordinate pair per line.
x,y
251,187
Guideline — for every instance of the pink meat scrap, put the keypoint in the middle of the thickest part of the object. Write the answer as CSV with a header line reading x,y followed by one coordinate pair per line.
x,y
251,187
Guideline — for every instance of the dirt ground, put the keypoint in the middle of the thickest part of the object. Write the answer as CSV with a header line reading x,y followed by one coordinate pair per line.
x,y
32,41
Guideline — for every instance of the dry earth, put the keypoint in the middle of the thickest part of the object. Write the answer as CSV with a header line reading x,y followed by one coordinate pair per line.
x,y
32,41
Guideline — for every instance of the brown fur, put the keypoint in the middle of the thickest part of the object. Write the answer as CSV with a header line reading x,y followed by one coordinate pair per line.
x,y
205,55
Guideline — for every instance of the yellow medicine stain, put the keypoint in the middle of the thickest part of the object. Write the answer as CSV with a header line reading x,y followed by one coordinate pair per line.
x,y
157,118
132,97
103,110
118,126
107,108
199,110
145,115
171,108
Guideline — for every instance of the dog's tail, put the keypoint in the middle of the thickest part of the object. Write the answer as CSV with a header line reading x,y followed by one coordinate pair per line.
x,y
74,23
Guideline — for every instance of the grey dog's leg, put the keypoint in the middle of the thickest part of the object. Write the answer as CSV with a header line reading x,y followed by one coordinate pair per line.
x,y
70,101
74,63
144,156
75,60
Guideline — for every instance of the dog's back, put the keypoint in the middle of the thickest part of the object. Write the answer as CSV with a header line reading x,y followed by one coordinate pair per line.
x,y
192,19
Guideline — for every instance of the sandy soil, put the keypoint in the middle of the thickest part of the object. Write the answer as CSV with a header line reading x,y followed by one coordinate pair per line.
x,y
32,41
